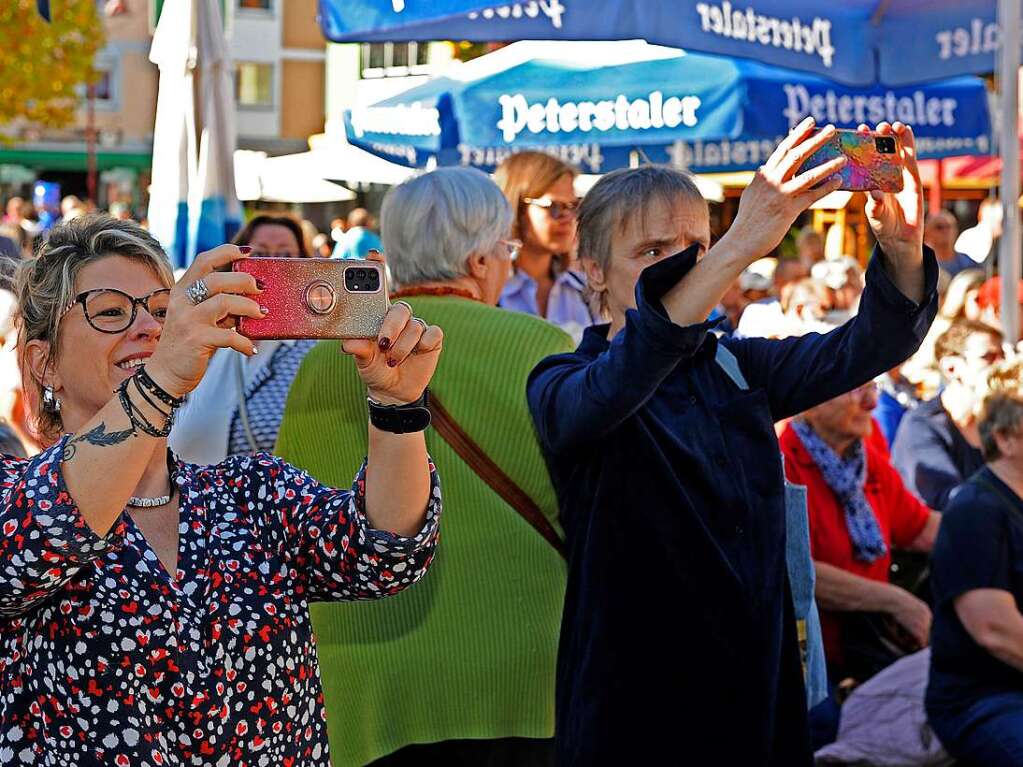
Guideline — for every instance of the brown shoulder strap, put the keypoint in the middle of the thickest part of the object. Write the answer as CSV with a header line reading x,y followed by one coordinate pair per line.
x,y
492,474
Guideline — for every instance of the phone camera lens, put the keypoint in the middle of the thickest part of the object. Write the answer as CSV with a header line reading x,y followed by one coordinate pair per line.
x,y
885,144
360,273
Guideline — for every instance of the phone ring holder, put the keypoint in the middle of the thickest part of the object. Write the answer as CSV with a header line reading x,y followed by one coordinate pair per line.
x,y
320,297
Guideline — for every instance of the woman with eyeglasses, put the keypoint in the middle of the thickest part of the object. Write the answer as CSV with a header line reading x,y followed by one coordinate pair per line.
x,y
545,282
237,408
156,612
471,678
859,511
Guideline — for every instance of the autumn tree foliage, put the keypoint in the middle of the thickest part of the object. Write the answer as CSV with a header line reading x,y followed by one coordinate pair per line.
x,y
42,64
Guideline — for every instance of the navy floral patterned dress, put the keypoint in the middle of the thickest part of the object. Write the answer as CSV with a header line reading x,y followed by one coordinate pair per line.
x,y
106,659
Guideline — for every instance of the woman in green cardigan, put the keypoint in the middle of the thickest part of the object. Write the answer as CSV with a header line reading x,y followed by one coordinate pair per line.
x,y
459,669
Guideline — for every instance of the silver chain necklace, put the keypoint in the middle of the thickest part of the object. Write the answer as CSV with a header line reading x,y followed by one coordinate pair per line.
x,y
148,503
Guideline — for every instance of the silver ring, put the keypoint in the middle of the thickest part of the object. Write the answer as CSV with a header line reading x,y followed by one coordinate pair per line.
x,y
197,292
408,306
421,322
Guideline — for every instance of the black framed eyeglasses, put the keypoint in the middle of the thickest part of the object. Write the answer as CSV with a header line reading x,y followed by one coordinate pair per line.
x,y
555,208
109,310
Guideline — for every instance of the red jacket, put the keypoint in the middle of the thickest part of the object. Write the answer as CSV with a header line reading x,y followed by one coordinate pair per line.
x,y
900,515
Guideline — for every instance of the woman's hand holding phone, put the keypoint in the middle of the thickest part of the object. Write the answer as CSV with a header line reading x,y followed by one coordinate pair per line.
x,y
397,366
199,323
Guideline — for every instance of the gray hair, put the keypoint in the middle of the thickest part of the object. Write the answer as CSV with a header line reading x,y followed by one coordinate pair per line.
x,y
1002,412
45,284
617,197
431,224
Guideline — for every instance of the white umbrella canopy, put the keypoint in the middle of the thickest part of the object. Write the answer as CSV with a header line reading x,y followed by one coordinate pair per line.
x,y
174,141
333,158
262,178
193,205
214,209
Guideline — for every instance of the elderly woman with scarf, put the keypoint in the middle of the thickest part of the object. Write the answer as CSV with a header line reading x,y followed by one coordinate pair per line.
x,y
859,509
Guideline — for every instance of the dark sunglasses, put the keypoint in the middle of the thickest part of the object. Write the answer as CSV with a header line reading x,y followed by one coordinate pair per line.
x,y
109,310
556,209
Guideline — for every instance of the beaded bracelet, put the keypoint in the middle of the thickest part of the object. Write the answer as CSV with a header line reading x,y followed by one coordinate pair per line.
x,y
153,402
139,421
143,380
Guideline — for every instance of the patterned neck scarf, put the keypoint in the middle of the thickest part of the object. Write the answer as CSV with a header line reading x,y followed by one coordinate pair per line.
x,y
847,477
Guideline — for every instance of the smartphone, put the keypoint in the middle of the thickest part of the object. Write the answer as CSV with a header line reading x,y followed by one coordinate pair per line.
x,y
316,298
874,161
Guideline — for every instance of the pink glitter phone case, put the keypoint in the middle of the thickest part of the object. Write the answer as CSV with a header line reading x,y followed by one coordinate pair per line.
x,y
874,160
316,298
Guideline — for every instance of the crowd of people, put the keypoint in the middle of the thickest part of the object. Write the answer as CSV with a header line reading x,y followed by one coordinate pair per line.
x,y
697,490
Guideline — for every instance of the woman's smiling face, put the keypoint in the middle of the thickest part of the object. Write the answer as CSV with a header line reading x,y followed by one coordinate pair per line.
x,y
92,364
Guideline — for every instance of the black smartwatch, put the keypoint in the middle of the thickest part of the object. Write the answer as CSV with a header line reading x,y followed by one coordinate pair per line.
x,y
401,419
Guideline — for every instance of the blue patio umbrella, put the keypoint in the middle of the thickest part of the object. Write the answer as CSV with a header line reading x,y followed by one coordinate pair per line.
x,y
705,113
857,42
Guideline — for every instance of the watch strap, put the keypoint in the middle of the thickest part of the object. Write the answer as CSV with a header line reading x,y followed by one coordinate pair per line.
x,y
401,419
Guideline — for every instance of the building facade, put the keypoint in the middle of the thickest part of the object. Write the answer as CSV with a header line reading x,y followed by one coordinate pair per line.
x,y
280,62
124,106
280,72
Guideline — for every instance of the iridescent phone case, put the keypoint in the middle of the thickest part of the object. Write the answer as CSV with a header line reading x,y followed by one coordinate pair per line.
x,y
875,161
316,298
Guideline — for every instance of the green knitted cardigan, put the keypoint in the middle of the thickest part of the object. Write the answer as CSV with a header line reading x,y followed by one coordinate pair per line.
x,y
469,652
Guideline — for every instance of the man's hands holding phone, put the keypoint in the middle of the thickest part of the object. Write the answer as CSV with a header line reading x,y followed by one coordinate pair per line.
x,y
897,219
779,192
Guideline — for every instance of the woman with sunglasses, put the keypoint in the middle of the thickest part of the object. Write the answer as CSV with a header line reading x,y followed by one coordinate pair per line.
x,y
237,408
156,612
544,282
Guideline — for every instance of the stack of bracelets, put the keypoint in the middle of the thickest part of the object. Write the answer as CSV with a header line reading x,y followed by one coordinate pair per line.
x,y
153,394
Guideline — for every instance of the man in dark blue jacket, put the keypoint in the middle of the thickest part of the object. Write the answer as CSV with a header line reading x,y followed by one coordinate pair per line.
x,y
678,643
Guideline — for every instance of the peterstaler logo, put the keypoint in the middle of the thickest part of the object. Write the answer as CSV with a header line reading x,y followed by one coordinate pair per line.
x,y
915,108
980,37
621,113
551,9
403,119
812,38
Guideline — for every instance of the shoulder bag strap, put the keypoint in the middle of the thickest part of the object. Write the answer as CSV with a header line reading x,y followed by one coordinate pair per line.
x,y
491,473
727,362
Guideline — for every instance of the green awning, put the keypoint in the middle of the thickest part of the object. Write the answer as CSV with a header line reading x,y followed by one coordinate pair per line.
x,y
39,159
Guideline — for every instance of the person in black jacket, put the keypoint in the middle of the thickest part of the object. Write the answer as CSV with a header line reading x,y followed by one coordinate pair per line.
x,y
678,642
